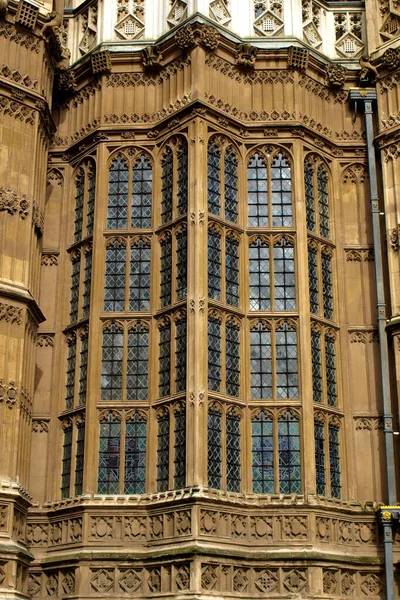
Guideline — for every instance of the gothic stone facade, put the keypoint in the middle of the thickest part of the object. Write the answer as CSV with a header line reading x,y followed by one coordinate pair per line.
x,y
190,392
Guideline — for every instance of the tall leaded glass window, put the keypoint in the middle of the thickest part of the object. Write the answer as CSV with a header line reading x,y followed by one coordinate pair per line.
x,y
117,213
180,355
166,185
83,365
310,201
163,452
138,362
286,362
231,186
76,271
87,279
232,347
109,455
281,192
260,362
330,366
180,448
214,264
214,449
313,279
71,364
114,284
257,189
232,270
259,268
327,285
79,200
181,264
214,354
166,270
284,276
214,181
182,195
319,440
289,454
112,363
139,283
66,462
91,198
323,204
262,435
135,455
233,451
164,364
334,460
142,187
80,455
316,362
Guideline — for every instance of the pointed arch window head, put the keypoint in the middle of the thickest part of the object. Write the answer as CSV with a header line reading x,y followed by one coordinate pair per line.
x,y
117,215
316,183
79,201
142,188
289,454
109,454
269,186
135,455
112,363
231,186
166,185
214,178
262,435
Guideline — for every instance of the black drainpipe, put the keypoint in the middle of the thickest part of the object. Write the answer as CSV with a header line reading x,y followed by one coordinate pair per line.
x,y
388,514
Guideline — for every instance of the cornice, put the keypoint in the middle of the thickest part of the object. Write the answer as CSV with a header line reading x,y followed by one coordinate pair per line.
x,y
24,296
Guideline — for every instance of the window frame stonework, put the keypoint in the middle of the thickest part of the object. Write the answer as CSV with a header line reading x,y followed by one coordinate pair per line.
x,y
170,456
329,372
333,478
326,289
171,321
224,147
224,320
221,469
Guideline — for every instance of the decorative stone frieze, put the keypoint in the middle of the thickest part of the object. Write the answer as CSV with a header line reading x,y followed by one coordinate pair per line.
x,y
13,203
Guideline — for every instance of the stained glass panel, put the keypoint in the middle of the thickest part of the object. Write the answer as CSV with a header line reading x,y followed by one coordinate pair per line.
x,y
109,455
138,363
117,215
284,276
111,365
142,187
289,455
281,186
231,186
259,268
214,179
214,451
214,354
232,452
257,189
114,283
163,453
167,186
262,434
286,362
260,362
135,455
139,280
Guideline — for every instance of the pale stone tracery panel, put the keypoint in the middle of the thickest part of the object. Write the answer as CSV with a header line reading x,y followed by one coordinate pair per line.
x,y
268,17
130,19
219,11
178,12
311,22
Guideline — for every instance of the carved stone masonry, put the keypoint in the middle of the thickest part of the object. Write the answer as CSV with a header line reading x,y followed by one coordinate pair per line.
x,y
11,202
10,313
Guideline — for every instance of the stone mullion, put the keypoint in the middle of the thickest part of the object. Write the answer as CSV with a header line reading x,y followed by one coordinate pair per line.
x,y
303,329
197,314
95,332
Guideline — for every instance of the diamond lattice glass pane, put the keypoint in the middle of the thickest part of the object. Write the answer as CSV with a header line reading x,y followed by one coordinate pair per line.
x,y
182,196
262,440
87,280
142,187
232,347
214,355
231,186
214,265
163,453
180,449
109,455
164,363
259,274
111,366
76,271
114,282
260,363
327,285
316,366
80,450
330,365
135,456
281,185
117,214
214,450
232,270
257,189
313,280
91,198
286,362
139,277
310,201
70,384
166,272
83,363
79,196
137,363
214,179
323,202
334,461
167,186
289,454
180,356
66,463
233,454
319,439
181,265
284,276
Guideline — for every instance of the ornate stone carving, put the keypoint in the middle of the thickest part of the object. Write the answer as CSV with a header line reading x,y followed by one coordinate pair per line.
x,y
75,530
40,426
68,582
16,76
130,581
34,584
371,585
49,260
392,152
26,14
26,40
38,218
10,314
209,37
17,110
297,58
330,582
240,580
359,255
266,580
182,577
52,584
185,38
12,203
323,529
52,25
345,532
295,527
101,528
295,580
3,517
37,534
336,75
268,17
135,528
45,341
365,533
152,57
261,528
246,55
219,11
208,522
156,526
101,62
209,576
183,522
102,580
154,580
391,58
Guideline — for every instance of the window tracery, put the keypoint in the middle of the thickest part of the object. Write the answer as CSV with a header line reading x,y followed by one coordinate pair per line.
x,y
219,11
130,19
320,279
222,165
327,455
268,17
171,447
323,349
223,342
317,196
